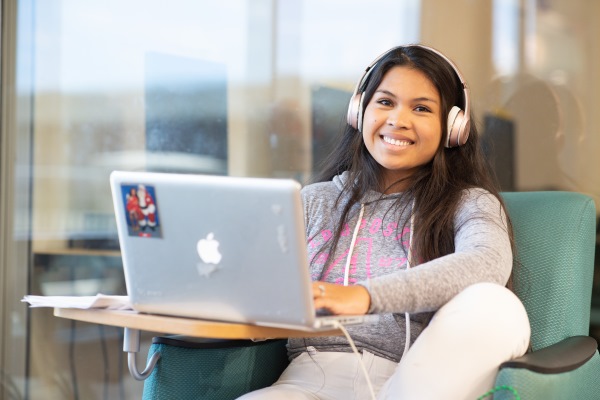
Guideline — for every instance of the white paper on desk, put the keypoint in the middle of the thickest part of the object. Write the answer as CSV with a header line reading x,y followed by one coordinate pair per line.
x,y
85,302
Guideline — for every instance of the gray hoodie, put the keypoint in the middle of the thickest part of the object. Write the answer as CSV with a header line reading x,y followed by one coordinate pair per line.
x,y
379,262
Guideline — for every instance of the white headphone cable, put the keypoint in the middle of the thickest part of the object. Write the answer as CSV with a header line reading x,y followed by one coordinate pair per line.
x,y
346,277
341,327
408,265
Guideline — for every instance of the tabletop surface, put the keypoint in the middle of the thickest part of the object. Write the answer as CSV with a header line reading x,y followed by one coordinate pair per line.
x,y
184,326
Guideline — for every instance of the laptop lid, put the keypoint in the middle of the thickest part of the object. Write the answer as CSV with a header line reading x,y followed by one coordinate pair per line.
x,y
214,247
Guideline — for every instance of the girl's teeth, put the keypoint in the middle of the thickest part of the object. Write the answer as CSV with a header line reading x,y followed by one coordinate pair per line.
x,y
396,142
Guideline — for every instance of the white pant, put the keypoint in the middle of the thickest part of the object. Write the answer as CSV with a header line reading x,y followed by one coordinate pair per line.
x,y
455,358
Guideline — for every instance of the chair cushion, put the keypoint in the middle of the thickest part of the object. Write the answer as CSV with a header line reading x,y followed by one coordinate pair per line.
x,y
213,370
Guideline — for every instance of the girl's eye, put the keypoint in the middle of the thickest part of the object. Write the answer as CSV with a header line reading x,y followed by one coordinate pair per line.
x,y
422,109
384,102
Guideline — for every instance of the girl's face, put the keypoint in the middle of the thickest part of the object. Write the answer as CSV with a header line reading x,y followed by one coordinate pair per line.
x,y
402,123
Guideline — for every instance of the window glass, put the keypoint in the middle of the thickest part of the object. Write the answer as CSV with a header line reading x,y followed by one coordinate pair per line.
x,y
228,88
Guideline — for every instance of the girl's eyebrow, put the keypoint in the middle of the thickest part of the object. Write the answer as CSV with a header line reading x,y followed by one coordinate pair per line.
x,y
418,99
426,99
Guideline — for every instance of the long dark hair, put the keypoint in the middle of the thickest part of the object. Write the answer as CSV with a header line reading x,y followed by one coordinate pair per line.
x,y
437,186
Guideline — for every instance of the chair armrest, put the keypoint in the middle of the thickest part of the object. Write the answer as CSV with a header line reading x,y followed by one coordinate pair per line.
x,y
564,356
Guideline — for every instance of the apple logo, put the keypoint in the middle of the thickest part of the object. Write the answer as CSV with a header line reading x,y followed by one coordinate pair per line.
x,y
208,249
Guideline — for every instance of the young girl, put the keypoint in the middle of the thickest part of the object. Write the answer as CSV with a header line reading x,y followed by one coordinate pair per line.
x,y
406,223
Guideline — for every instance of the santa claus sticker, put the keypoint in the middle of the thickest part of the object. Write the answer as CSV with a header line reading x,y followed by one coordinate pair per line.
x,y
141,210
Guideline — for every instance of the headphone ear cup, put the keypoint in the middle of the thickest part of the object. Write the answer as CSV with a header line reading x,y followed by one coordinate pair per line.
x,y
353,110
458,128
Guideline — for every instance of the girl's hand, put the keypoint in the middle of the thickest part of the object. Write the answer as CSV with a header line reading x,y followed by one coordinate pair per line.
x,y
340,299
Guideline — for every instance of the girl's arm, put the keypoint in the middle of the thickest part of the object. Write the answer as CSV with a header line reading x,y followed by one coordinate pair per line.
x,y
482,254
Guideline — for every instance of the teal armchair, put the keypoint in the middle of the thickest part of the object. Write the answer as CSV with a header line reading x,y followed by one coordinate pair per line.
x,y
555,240
555,235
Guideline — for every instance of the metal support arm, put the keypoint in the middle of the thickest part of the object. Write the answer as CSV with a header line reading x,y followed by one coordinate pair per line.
x,y
131,345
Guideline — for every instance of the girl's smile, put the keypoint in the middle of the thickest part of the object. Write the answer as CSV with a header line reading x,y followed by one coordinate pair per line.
x,y
397,142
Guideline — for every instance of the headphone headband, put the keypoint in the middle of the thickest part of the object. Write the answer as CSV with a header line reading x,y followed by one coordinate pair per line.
x,y
458,119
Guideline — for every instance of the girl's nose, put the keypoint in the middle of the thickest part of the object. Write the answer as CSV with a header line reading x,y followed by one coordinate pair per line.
x,y
398,118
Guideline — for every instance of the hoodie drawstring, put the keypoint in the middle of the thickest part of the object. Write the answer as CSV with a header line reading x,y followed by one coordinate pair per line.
x,y
408,264
352,243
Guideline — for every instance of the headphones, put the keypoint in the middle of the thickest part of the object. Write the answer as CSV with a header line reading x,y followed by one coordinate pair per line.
x,y
459,121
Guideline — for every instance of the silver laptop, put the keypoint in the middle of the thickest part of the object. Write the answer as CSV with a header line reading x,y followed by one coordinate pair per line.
x,y
214,247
